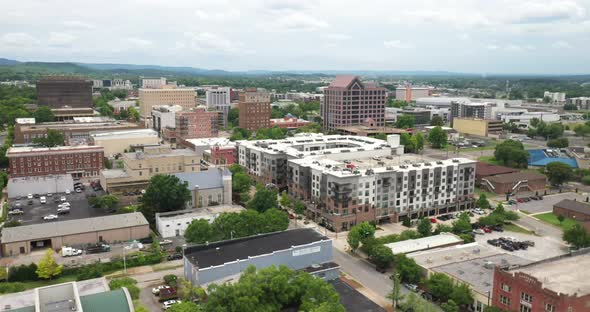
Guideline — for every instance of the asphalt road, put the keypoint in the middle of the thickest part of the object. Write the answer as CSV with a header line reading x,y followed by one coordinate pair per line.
x,y
540,228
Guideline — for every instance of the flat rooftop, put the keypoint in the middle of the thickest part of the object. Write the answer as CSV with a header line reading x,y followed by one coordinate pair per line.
x,y
199,212
352,299
568,275
441,256
479,272
78,125
412,245
124,134
204,256
36,149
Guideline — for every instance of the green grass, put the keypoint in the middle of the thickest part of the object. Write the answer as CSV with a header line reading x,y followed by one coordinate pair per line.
x,y
490,160
489,195
525,211
515,228
43,283
550,218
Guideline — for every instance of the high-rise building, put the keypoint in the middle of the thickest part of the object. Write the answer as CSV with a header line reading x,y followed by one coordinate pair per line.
x,y
349,102
409,93
197,123
150,97
219,98
61,91
254,109
152,83
471,110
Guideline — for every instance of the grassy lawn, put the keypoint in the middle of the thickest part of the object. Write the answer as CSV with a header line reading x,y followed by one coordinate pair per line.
x,y
59,280
515,228
489,159
550,218
489,195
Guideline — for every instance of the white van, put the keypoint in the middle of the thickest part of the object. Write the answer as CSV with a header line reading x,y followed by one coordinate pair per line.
x,y
43,200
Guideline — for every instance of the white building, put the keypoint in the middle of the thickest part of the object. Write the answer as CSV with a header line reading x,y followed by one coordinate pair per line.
x,y
523,120
40,185
219,99
424,243
440,102
556,97
164,116
152,83
120,84
175,223
201,145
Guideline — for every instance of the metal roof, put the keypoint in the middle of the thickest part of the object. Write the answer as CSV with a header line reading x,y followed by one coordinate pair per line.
x,y
209,179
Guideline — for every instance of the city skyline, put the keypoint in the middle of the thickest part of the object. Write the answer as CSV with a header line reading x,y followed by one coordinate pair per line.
x,y
496,37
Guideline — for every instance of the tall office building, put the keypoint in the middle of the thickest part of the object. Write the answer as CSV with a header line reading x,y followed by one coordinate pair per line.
x,y
62,91
254,109
197,123
148,98
219,99
471,110
349,102
152,83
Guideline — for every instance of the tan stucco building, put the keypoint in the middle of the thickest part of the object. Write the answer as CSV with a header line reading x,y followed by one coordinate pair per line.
x,y
152,97
122,141
79,232
480,127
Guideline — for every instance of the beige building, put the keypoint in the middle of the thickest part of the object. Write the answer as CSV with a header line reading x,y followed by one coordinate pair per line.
x,y
168,96
139,167
122,141
480,127
79,232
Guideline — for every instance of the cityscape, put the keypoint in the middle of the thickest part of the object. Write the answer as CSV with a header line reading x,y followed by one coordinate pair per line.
x,y
261,161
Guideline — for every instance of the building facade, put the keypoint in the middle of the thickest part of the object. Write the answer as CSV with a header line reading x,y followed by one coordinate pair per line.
x,y
152,83
219,99
148,98
59,92
208,188
254,106
574,210
461,109
582,103
409,93
79,161
175,223
197,123
479,127
288,122
164,116
514,182
25,133
220,156
119,142
348,102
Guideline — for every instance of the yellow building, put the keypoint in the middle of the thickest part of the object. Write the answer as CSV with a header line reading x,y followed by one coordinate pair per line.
x,y
168,96
480,127
121,141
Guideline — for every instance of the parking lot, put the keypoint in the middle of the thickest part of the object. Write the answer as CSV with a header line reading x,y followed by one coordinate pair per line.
x,y
543,248
34,213
546,204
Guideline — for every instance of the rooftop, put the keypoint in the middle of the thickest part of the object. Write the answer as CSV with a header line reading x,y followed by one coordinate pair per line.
x,y
71,227
124,134
485,169
114,173
567,275
208,179
69,124
199,212
205,256
459,253
515,177
574,205
412,245
36,149
352,299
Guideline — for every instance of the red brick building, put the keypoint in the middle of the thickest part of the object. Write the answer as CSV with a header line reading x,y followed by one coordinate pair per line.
x,y
349,102
514,182
288,122
557,285
573,209
254,107
197,123
221,155
80,161
484,170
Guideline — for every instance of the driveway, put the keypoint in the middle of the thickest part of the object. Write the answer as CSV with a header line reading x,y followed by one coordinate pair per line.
x,y
540,228
546,205
545,247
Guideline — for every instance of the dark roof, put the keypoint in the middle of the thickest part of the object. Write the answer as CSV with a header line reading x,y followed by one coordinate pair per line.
x,y
208,179
219,253
574,205
352,300
515,177
321,267
486,170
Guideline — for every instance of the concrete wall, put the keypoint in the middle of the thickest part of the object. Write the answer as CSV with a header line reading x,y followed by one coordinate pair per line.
x,y
295,258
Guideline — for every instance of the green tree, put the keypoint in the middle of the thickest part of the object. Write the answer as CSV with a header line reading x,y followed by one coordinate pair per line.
x,y
406,141
381,136
134,113
128,283
47,268
299,207
409,271
233,117
582,130
43,114
462,295
413,303
417,142
560,218
437,137
558,172
105,201
185,306
164,193
284,200
437,121
395,294
424,227
241,182
188,292
462,224
359,234
381,256
54,138
442,228
450,306
405,121
265,198
199,231
511,153
482,202
440,286
577,236
558,143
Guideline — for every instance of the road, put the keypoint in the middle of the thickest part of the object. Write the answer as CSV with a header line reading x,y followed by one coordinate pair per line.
x,y
540,228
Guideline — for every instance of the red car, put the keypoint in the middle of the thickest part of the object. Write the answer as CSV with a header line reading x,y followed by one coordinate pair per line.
x,y
520,200
487,230
432,220
291,216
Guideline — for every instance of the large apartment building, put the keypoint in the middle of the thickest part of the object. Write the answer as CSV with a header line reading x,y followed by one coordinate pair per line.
x,y
152,83
471,110
219,98
62,91
254,106
197,123
349,102
149,98
79,161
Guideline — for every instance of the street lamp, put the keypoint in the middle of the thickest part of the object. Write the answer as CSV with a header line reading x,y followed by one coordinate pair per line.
x,y
125,259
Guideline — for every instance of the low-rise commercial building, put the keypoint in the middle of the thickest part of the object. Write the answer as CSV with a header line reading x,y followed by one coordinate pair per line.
x,y
582,103
175,223
220,156
371,131
119,142
523,120
288,122
479,127
55,184
116,228
164,116
484,170
149,98
573,209
296,249
208,188
70,113
425,243
511,183
119,105
79,161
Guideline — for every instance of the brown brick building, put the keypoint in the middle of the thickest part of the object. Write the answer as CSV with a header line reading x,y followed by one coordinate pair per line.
x,y
349,102
58,92
25,133
513,182
197,123
484,170
254,106
80,161
554,285
573,209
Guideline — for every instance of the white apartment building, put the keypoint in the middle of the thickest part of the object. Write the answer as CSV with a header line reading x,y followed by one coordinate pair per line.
x,y
556,97
219,99
164,116
152,83
582,103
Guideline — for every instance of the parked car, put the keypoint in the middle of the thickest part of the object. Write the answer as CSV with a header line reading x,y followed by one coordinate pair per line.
x,y
167,304
520,200
30,202
494,242
62,199
165,242
43,200
512,202
479,211
36,195
176,256
68,191
49,195
16,212
167,294
97,248
486,229
63,210
411,287
30,196
432,220
498,228
50,217
78,190
479,231
156,290
70,252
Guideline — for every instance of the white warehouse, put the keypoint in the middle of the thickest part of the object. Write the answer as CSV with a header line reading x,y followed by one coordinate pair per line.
x,y
175,223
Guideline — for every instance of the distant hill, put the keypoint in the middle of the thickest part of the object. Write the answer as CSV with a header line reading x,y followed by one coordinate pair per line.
x,y
157,68
4,62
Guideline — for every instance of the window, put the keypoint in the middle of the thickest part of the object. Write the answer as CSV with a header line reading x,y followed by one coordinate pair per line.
x,y
524,308
505,300
549,307
506,287
526,297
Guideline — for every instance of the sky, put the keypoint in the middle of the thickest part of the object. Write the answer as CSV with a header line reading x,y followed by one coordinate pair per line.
x,y
470,36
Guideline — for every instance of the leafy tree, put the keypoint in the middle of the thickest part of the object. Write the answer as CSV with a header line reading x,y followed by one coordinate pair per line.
x,y
381,256
424,227
232,117
462,295
360,233
392,102
265,198
405,121
577,236
413,303
199,231
299,207
164,193
558,172
105,201
570,107
47,267
437,121
558,143
582,130
310,128
437,137
185,306
134,113
462,224
482,202
395,294
442,228
534,122
450,306
284,200
467,238
128,283
409,271
240,134
406,141
188,292
381,136
43,114
54,138
241,182
511,153
560,218
440,286
418,141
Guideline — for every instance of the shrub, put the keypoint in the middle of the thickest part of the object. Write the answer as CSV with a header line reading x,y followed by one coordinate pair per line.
x,y
23,273
586,180
170,280
89,272
127,282
6,288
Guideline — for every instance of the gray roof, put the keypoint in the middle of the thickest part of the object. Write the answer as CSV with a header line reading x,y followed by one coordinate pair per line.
x,y
209,179
71,227
574,205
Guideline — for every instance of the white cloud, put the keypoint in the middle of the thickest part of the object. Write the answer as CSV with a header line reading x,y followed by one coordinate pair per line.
x,y
531,12
397,44
492,47
560,44
219,15
298,21
519,48
78,24
336,36
207,42
139,42
19,39
464,37
60,39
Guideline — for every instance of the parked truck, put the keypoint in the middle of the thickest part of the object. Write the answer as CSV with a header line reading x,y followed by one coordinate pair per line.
x,y
97,248
167,294
70,252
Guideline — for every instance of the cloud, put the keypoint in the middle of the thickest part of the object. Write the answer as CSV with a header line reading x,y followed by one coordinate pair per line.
x,y
463,37
336,36
139,42
298,21
60,39
560,44
219,15
397,44
287,5
19,39
206,42
532,12
511,47
492,47
78,24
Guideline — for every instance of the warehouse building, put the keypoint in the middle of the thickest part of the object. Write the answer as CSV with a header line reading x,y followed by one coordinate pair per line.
x,y
514,182
484,170
79,232
55,184
296,249
574,210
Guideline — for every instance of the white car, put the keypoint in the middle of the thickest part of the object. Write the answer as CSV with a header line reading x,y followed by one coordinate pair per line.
x,y
156,290
62,199
43,200
78,190
49,195
478,211
169,303
50,217
30,196
16,212
68,191
64,204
